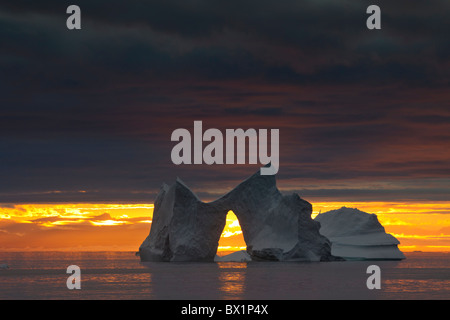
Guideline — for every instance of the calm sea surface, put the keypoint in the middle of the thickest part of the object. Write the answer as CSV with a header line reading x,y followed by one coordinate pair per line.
x,y
121,275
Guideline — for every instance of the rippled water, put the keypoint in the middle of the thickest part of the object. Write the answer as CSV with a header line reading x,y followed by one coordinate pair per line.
x,y
120,275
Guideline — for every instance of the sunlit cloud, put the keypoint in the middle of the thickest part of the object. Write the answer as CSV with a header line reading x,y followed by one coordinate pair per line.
x,y
234,224
108,223
24,212
422,237
227,233
231,248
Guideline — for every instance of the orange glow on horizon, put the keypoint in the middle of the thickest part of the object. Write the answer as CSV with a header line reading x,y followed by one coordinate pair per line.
x,y
232,238
418,226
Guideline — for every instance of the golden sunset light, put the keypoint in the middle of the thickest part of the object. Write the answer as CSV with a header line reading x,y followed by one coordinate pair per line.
x,y
232,238
74,227
90,227
27,212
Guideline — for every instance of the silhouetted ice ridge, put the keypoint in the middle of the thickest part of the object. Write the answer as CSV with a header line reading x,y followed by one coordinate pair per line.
x,y
275,227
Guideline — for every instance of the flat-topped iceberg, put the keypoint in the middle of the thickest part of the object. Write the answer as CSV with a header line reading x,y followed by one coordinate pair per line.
x,y
355,234
275,227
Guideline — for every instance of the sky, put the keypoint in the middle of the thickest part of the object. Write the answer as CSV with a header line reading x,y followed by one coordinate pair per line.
x,y
86,115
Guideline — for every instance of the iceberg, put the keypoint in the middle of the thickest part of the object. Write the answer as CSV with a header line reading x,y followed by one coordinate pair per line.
x,y
183,227
275,227
238,256
358,235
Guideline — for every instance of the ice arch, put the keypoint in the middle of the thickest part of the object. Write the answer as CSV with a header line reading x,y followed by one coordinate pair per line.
x,y
275,226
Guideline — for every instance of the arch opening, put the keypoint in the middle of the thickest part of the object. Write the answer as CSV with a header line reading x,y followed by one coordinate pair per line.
x,y
232,238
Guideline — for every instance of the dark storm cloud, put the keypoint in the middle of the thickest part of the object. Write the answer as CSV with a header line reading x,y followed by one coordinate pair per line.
x,y
295,41
93,110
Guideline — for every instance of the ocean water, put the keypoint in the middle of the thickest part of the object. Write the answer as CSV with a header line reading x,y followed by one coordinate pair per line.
x,y
121,275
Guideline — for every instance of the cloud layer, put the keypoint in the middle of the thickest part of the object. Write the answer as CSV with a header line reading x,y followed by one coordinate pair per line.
x,y
87,115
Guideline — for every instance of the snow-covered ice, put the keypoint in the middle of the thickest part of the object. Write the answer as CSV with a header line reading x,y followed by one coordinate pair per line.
x,y
355,234
238,256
